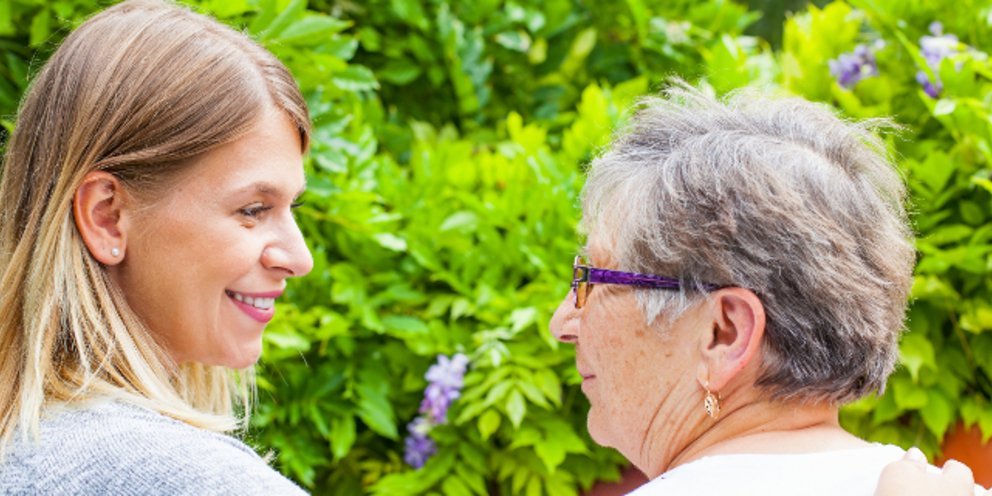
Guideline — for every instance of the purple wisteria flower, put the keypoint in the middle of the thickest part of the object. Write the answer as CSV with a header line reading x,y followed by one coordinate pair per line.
x,y
446,378
934,49
418,447
849,68
445,381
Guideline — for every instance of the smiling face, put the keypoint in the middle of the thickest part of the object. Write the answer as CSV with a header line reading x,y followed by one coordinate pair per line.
x,y
638,379
203,265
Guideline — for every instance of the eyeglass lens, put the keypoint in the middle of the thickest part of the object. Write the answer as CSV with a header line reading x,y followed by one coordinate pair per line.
x,y
580,282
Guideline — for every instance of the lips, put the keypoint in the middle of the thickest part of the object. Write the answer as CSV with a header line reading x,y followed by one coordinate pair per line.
x,y
258,306
587,380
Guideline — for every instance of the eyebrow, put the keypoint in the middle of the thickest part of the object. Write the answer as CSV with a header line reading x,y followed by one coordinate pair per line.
x,y
268,189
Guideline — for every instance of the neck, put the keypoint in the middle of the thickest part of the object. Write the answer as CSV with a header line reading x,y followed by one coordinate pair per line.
x,y
759,426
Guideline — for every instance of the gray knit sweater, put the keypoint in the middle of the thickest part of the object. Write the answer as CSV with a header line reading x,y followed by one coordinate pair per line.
x,y
115,448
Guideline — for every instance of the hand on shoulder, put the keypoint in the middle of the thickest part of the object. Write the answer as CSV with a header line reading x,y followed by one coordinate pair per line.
x,y
910,476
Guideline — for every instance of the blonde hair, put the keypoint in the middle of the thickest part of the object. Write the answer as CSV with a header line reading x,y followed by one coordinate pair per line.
x,y
137,90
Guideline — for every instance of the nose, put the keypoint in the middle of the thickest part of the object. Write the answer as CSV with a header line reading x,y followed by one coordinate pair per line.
x,y
565,322
289,252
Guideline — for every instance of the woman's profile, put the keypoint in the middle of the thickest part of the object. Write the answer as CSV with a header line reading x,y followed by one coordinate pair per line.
x,y
147,231
746,273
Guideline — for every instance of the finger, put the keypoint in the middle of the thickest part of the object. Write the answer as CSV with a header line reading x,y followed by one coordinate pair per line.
x,y
958,476
915,455
900,477
903,468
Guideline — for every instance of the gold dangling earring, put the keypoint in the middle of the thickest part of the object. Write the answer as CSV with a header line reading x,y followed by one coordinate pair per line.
x,y
712,402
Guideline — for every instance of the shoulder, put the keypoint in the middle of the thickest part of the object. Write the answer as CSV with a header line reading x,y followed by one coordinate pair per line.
x,y
851,472
115,448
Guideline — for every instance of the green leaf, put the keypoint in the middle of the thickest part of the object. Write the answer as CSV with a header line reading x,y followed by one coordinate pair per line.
x,y
533,487
518,41
640,15
473,479
399,72
972,213
937,413
533,394
908,396
516,408
355,78
521,318
404,324
915,352
454,486
463,221
488,423
282,19
497,393
551,453
312,29
985,423
949,234
375,410
411,12
40,27
943,107
6,20
549,384
343,435
227,8
390,241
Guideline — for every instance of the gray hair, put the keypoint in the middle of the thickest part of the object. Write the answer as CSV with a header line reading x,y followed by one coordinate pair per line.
x,y
776,195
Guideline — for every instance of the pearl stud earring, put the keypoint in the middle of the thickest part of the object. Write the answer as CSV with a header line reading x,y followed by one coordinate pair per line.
x,y
115,252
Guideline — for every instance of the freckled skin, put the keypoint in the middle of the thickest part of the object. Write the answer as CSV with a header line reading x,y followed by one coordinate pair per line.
x,y
645,383
644,377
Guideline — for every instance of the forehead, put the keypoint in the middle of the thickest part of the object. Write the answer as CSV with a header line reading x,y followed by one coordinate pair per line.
x,y
266,160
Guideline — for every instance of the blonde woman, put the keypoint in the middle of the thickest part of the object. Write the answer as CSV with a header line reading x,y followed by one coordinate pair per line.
x,y
146,231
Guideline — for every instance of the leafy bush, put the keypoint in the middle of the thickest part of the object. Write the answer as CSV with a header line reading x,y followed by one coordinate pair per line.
x,y
447,159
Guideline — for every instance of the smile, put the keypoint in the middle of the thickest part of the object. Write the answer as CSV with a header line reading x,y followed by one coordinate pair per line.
x,y
260,307
257,302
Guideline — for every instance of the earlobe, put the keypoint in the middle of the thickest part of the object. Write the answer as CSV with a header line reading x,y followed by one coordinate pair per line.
x,y
737,319
98,208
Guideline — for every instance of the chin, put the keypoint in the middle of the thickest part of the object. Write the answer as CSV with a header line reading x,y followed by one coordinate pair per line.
x,y
245,360
240,357
597,431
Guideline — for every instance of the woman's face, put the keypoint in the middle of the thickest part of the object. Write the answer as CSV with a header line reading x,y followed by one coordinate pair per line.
x,y
639,380
203,265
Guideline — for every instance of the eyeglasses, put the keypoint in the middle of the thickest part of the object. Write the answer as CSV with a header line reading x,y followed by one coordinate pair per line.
x,y
584,276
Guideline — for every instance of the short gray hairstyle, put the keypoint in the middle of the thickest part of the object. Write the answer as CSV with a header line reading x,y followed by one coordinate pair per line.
x,y
777,195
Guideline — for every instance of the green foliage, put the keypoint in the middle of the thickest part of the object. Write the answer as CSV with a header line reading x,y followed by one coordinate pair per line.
x,y
944,150
443,181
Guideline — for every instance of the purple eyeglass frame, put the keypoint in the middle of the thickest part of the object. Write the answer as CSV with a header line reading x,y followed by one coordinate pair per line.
x,y
594,275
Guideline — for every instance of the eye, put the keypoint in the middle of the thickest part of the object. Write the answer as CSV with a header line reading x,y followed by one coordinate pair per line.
x,y
296,204
254,210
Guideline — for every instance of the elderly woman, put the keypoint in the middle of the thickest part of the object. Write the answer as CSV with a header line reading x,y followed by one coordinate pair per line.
x,y
746,273
146,232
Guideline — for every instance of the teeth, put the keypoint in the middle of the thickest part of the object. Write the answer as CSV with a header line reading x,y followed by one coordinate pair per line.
x,y
259,303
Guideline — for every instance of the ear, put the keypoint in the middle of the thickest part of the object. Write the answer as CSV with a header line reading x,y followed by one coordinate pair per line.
x,y
737,320
98,207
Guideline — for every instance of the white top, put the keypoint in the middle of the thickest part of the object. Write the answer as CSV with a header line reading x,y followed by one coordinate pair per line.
x,y
852,472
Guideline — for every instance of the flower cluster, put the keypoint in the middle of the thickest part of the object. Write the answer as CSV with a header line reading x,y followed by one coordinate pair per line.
x,y
859,64
849,68
934,49
445,380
